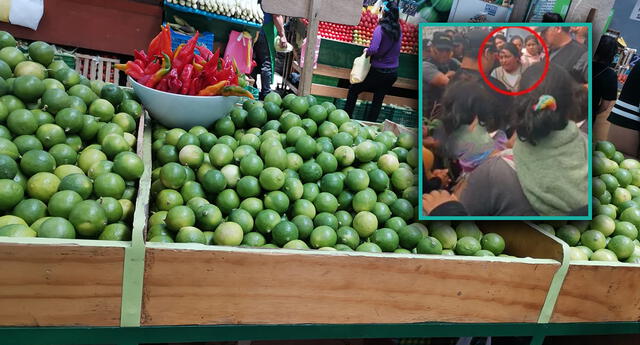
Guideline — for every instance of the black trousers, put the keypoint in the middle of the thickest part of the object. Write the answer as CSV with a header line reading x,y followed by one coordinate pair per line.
x,y
378,81
263,61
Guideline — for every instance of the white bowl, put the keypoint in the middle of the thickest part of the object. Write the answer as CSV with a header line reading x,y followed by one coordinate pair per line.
x,y
174,110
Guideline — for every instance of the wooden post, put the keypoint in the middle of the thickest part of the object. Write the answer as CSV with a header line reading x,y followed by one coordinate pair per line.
x,y
309,53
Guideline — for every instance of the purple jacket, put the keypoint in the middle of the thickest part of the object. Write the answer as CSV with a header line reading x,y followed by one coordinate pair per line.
x,y
384,52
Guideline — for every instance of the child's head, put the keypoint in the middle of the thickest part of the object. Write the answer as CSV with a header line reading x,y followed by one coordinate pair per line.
x,y
469,97
532,45
517,41
535,114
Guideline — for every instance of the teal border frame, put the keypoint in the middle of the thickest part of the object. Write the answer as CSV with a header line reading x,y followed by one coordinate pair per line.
x,y
421,216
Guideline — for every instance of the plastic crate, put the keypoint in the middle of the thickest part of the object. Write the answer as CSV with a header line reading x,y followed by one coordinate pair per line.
x,y
405,116
69,59
205,39
360,110
254,91
98,68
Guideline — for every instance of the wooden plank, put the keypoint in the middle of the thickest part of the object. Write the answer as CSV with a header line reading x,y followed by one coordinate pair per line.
x,y
55,285
344,73
223,285
599,293
314,9
117,26
337,92
335,11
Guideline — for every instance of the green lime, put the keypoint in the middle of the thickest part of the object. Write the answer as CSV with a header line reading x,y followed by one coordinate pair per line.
x,y
310,171
248,186
328,219
8,167
22,121
323,236
388,163
168,198
266,220
8,148
593,240
252,205
284,232
228,234
196,202
295,244
131,107
604,255
251,165
253,239
364,200
272,179
112,93
208,217
621,246
631,215
63,154
116,232
28,88
382,212
328,129
357,180
112,208
277,201
304,207
446,236
338,117
173,175
326,202
386,239
332,183
214,182
36,161
190,234
276,158
402,208
310,191
467,246
365,223
13,103
409,237
102,109
369,247
402,179
601,223
128,165
257,117
306,147
227,200
88,218
242,218
109,184
100,168
16,230
626,229
493,243
50,134
61,203
57,227
26,143
179,217
30,210
220,155
396,223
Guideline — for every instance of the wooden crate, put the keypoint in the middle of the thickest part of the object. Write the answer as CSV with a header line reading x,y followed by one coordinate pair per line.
x,y
599,292
196,284
98,68
57,282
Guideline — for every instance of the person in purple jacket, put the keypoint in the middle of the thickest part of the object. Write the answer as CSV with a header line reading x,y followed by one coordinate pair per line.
x,y
384,51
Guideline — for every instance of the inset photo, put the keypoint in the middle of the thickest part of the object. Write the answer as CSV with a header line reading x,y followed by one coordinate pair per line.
x,y
506,122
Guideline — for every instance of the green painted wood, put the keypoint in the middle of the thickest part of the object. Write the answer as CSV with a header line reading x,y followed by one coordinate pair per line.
x,y
142,335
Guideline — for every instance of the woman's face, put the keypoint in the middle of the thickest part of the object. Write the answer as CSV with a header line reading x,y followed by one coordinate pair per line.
x,y
508,61
517,43
533,48
499,43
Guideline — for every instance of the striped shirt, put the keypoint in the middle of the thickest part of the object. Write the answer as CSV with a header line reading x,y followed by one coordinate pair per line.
x,y
626,112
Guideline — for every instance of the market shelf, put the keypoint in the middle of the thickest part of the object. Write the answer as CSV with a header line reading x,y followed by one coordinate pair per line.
x,y
58,282
212,15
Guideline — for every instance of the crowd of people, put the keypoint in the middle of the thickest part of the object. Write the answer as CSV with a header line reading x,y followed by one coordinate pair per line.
x,y
490,153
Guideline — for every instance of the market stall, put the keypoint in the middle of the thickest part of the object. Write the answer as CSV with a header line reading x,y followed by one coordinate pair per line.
x,y
182,210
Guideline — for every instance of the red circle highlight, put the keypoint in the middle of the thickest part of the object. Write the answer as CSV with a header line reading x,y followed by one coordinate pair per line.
x,y
510,93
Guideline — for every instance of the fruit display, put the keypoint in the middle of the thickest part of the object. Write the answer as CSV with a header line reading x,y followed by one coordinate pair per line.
x,y
248,10
612,235
182,71
338,32
66,166
283,176
363,32
409,38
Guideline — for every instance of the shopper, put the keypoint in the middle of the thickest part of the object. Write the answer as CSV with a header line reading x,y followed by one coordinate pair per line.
x,y
263,49
550,17
605,80
510,70
625,116
532,52
384,51
437,70
458,47
547,172
517,41
499,41
565,52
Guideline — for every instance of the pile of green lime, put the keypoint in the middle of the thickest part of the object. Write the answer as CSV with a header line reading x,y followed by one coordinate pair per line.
x,y
286,172
612,235
67,169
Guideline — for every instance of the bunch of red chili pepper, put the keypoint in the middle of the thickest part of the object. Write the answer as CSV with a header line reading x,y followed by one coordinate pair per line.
x,y
183,71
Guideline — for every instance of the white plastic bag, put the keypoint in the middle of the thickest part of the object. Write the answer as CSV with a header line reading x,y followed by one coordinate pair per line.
x,y
361,66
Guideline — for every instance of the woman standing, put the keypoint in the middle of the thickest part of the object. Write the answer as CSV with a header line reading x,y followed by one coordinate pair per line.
x,y
384,51
531,52
510,70
517,41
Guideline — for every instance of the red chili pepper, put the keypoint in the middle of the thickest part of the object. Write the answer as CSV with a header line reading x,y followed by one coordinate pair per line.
x,y
177,51
235,91
153,67
142,56
186,77
213,90
199,59
166,67
197,67
131,68
185,55
205,53
163,85
161,43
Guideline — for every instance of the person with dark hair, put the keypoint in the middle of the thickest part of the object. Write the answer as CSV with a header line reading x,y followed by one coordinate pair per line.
x,y
437,70
624,132
384,51
551,17
458,47
565,52
517,41
532,51
604,80
546,173
499,41
450,33
510,69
